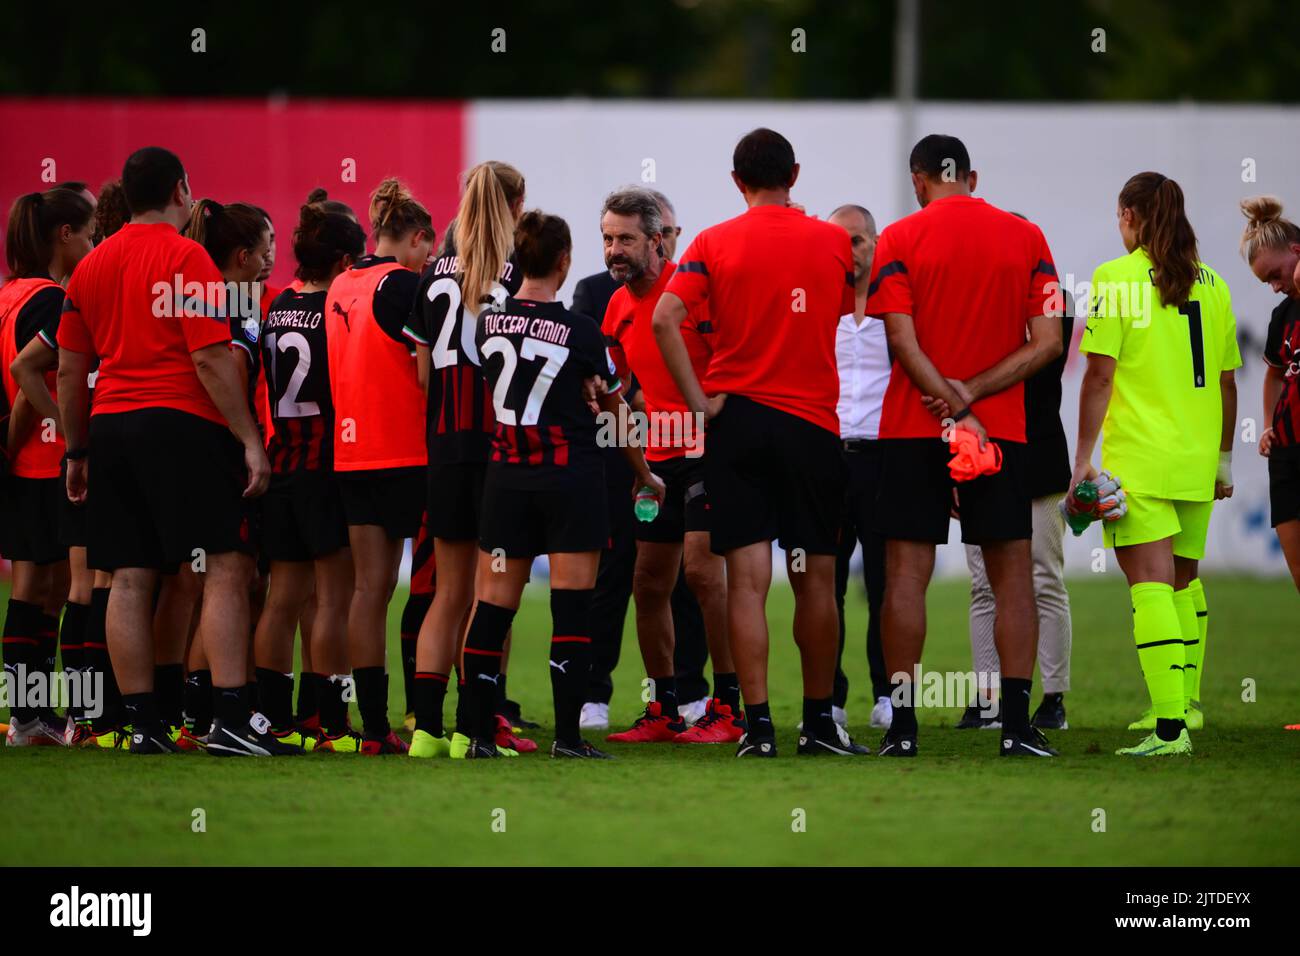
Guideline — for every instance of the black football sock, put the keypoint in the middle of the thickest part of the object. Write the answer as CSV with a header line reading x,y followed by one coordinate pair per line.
x,y
141,711
487,635
372,700
99,664
309,692
726,688
817,719
501,693
1169,729
230,705
570,663
48,635
1015,705
169,693
335,692
275,697
760,721
665,689
902,695
21,651
413,614
198,702
408,670
428,692
464,720
72,648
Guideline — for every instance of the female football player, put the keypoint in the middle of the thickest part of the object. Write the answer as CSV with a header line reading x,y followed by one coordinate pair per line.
x,y
305,534
1271,247
475,268
48,233
379,451
1161,342
545,484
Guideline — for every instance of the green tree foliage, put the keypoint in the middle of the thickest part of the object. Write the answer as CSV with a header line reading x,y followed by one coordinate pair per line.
x,y
969,50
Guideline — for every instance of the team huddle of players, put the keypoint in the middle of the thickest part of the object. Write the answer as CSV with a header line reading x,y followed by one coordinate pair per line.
x,y
200,467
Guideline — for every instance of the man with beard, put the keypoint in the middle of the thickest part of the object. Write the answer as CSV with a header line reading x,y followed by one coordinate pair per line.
x,y
632,229
614,580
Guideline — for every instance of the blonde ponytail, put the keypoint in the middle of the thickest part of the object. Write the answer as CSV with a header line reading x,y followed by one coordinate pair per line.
x,y
485,226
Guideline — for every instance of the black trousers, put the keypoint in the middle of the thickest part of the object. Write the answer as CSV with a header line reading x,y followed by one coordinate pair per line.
x,y
859,527
614,591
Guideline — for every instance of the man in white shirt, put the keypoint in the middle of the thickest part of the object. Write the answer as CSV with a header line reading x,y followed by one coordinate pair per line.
x,y
864,364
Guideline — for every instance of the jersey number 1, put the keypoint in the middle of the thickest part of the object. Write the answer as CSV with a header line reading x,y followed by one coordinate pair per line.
x,y
1194,330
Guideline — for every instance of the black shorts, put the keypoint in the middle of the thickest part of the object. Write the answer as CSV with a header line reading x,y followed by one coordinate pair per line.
x,y
392,498
772,476
302,517
32,514
1284,487
163,484
455,499
525,523
686,503
915,498
72,518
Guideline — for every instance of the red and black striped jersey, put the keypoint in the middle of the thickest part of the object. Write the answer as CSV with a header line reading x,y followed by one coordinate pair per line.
x,y
423,567
536,356
295,354
460,421
1282,351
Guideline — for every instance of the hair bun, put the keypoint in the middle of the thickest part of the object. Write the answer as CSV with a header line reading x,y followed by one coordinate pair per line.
x,y
1261,209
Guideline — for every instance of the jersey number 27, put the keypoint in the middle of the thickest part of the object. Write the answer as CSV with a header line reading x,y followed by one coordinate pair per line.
x,y
531,350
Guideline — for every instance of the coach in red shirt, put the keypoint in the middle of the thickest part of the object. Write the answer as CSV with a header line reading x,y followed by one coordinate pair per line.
x,y
971,308
776,282
156,463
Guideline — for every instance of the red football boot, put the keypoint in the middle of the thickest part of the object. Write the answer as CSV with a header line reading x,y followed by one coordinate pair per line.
x,y
506,737
375,746
652,727
718,726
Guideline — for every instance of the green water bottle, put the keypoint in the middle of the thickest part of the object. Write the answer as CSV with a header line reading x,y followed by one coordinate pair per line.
x,y
1078,506
647,505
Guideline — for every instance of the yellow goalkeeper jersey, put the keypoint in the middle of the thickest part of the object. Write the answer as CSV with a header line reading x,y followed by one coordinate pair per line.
x,y
1164,424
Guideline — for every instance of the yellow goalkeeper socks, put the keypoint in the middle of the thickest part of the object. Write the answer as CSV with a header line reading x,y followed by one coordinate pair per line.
x,y
1159,640
1197,591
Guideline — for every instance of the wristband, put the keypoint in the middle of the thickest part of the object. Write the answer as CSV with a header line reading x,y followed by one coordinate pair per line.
x,y
961,414
1224,474
77,455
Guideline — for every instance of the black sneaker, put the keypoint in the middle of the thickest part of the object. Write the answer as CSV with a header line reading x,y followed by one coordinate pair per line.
x,y
156,740
1050,714
902,745
756,747
252,738
1033,745
580,749
974,719
841,745
481,749
511,712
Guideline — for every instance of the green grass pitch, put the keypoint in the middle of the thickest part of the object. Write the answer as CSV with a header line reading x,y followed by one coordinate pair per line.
x,y
1235,802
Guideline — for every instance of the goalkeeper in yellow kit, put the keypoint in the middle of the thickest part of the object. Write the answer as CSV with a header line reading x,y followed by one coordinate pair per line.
x,y
1161,342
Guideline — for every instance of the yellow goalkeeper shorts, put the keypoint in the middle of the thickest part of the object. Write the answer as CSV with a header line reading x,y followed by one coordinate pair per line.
x,y
1154,519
